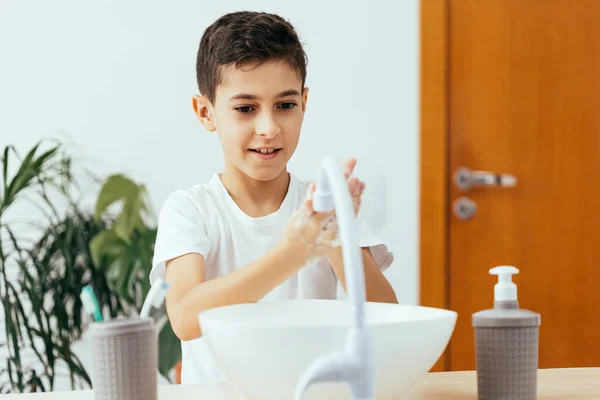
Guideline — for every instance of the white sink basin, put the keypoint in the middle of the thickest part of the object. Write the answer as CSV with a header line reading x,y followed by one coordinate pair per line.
x,y
263,348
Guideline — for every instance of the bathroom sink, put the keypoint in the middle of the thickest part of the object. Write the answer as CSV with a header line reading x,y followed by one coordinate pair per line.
x,y
263,348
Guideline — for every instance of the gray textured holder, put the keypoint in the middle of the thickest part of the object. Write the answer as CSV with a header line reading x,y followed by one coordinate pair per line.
x,y
125,360
506,348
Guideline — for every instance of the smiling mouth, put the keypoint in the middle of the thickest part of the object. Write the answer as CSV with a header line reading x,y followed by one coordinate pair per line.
x,y
265,151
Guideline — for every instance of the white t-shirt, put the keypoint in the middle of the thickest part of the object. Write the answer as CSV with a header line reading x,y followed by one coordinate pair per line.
x,y
204,219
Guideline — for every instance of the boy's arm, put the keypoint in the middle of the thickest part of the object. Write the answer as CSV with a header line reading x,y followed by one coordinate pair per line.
x,y
378,289
190,293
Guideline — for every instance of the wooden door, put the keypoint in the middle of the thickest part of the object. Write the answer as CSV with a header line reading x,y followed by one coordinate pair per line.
x,y
522,97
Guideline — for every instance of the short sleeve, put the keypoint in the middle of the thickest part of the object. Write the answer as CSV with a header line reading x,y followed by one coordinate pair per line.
x,y
379,250
181,230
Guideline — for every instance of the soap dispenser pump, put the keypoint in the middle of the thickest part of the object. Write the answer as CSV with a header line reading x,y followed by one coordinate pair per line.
x,y
506,344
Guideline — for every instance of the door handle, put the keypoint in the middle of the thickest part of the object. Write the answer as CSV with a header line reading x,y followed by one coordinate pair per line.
x,y
465,179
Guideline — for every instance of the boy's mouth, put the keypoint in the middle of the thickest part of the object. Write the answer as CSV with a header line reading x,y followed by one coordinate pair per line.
x,y
265,153
265,150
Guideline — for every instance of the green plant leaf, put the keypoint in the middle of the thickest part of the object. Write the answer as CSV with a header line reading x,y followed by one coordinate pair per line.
x,y
169,350
7,150
23,175
17,314
44,333
8,322
29,169
128,268
10,371
30,332
116,187
132,280
100,244
135,205
128,220
16,358
40,162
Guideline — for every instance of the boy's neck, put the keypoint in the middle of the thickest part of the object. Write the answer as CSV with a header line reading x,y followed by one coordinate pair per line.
x,y
255,198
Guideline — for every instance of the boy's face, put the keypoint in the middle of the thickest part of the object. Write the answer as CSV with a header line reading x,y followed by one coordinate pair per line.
x,y
258,112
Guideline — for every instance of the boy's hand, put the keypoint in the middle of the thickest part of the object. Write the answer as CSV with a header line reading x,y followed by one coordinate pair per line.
x,y
317,233
355,186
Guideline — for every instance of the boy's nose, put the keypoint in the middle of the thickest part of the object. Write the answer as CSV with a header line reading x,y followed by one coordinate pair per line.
x,y
267,126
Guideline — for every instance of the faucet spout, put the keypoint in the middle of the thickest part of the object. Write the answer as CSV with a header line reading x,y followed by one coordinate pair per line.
x,y
331,193
354,365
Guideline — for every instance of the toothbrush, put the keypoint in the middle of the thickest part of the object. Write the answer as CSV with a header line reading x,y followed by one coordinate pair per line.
x,y
90,303
155,297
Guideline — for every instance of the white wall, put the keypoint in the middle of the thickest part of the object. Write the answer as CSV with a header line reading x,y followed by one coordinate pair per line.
x,y
117,77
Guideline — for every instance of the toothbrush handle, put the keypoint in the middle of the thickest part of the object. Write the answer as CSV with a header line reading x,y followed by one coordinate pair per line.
x,y
145,313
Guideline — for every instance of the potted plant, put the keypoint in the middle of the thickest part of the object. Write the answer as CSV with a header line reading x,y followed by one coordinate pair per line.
x,y
125,251
41,278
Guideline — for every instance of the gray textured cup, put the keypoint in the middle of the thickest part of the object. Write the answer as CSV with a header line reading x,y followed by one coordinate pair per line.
x,y
506,351
125,360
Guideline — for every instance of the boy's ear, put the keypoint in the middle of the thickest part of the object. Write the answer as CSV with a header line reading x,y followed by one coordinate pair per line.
x,y
304,98
203,110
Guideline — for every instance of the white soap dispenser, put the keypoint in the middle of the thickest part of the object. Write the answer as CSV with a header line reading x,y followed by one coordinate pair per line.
x,y
506,344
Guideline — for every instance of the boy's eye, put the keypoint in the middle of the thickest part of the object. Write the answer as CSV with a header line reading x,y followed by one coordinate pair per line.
x,y
287,106
244,109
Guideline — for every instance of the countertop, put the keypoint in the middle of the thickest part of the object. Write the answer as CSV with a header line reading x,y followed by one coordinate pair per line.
x,y
553,384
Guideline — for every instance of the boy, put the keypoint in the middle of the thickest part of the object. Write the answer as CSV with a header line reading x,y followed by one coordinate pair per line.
x,y
236,239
